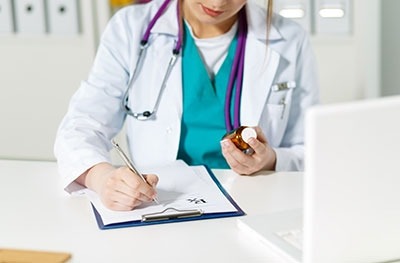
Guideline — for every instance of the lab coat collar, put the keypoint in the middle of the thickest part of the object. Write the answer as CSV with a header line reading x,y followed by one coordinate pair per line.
x,y
256,19
252,106
257,23
168,22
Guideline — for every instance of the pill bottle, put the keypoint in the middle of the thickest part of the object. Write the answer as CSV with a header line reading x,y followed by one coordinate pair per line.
x,y
241,136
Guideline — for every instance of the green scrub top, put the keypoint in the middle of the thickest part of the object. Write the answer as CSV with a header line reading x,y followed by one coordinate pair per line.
x,y
203,121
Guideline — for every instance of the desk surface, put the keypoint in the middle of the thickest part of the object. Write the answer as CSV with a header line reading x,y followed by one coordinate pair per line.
x,y
37,214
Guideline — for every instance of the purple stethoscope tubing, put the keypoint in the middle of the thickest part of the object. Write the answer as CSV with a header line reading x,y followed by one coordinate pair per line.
x,y
237,70
148,114
236,74
146,35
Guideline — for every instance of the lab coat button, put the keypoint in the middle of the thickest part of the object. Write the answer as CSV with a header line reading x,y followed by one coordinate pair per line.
x,y
169,130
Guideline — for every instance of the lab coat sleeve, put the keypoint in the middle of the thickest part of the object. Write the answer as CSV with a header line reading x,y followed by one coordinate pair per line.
x,y
95,115
290,154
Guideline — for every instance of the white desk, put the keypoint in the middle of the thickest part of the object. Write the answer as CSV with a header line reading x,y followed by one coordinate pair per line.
x,y
35,213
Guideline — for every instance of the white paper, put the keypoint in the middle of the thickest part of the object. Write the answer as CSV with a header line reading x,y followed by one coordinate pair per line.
x,y
180,186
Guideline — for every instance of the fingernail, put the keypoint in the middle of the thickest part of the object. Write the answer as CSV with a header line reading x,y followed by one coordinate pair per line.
x,y
251,140
224,144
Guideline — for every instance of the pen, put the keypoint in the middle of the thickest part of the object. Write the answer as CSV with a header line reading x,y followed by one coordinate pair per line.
x,y
130,164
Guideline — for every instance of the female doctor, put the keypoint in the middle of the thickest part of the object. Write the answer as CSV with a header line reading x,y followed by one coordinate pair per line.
x,y
180,74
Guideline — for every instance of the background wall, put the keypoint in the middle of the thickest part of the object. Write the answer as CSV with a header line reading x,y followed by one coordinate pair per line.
x,y
350,65
38,75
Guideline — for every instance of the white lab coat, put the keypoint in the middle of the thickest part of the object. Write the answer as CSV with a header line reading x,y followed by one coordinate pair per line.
x,y
95,114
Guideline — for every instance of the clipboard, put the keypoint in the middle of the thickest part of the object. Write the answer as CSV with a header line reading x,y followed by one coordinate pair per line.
x,y
171,214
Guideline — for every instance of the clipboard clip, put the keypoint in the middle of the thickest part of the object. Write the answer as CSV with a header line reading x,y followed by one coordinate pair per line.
x,y
171,213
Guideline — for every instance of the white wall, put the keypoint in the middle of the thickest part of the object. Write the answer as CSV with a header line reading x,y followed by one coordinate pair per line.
x,y
38,75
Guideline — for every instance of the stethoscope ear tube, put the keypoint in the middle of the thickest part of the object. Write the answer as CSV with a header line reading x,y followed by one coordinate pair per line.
x,y
148,114
236,74
145,115
125,98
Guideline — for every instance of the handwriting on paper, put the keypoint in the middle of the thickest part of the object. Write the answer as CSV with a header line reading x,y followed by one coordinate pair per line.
x,y
196,200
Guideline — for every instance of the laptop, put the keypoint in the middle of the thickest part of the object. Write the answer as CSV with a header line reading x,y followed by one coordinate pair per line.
x,y
351,199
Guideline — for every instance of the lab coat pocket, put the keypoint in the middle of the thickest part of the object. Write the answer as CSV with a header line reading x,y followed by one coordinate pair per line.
x,y
275,117
275,123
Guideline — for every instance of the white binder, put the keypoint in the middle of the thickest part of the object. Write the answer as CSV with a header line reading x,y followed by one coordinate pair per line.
x,y
6,19
297,10
63,17
333,17
30,16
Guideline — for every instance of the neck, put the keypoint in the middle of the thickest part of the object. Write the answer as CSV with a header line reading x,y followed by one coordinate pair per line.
x,y
204,30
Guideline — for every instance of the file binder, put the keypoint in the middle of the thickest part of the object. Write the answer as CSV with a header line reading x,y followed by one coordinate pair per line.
x,y
63,17
333,17
6,18
167,212
30,16
297,10
33,256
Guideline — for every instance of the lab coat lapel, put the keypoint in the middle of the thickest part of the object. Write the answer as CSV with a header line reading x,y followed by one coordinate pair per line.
x,y
258,78
171,98
167,25
259,73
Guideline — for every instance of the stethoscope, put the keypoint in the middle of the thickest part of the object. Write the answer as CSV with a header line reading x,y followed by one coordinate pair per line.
x,y
236,75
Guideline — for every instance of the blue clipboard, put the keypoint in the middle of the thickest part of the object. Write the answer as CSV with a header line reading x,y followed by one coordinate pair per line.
x,y
179,216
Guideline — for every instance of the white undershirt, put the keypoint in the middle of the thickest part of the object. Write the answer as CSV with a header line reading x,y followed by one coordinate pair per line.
x,y
215,49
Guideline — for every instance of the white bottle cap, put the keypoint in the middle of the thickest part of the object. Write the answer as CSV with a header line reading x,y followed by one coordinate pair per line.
x,y
248,133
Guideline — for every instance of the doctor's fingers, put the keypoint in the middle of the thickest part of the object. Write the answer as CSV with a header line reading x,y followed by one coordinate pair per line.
x,y
119,201
151,179
125,181
264,156
259,147
237,160
238,165
139,193
260,135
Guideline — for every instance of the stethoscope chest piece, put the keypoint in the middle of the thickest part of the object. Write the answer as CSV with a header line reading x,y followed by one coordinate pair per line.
x,y
144,116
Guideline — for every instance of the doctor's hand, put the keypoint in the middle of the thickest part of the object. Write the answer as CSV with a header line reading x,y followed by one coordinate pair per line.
x,y
119,188
263,158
